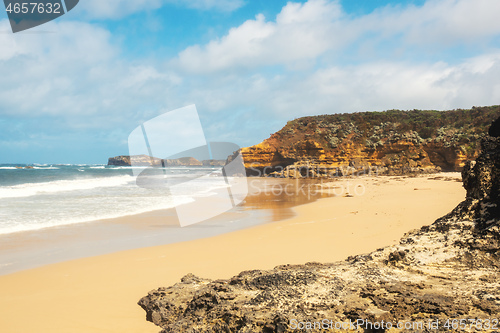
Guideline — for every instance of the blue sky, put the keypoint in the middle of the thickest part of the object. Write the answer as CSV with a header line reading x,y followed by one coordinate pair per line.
x,y
72,90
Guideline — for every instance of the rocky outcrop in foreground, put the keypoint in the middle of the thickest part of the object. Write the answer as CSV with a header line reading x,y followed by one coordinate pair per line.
x,y
448,270
145,160
392,142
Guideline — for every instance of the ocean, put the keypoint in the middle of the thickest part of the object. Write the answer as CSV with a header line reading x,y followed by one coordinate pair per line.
x,y
57,212
51,195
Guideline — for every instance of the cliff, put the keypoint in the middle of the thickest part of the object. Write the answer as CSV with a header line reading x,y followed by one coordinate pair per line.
x,y
391,142
448,270
144,160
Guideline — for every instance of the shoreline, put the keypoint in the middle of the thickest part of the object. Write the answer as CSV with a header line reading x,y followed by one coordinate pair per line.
x,y
36,248
99,294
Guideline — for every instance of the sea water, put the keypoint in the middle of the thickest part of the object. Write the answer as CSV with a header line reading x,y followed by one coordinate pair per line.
x,y
50,195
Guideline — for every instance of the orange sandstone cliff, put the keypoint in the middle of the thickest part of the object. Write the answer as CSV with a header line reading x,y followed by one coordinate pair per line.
x,y
392,142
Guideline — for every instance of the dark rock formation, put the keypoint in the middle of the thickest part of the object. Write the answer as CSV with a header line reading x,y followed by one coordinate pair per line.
x,y
494,130
124,160
392,142
481,180
448,270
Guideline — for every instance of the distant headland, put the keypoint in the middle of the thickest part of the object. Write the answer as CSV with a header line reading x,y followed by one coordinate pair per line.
x,y
145,160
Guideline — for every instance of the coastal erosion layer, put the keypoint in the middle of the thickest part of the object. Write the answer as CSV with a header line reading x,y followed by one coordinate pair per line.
x,y
383,143
437,275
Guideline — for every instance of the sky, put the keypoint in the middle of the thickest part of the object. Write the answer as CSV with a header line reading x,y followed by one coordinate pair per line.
x,y
72,90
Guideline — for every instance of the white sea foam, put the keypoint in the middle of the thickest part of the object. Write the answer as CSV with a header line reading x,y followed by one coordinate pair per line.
x,y
91,213
35,167
45,168
33,205
31,189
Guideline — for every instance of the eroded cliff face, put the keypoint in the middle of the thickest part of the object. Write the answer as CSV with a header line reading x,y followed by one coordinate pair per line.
x,y
393,143
448,270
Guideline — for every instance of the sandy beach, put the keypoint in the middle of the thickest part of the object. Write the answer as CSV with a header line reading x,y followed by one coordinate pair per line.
x,y
100,293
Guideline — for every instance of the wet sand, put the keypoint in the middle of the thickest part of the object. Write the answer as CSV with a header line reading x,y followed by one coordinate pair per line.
x,y
264,204
99,294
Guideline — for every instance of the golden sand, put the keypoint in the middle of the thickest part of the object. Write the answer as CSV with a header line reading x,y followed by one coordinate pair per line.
x,y
99,294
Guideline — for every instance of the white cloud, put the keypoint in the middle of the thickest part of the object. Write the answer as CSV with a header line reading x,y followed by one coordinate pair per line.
x,y
319,30
10,48
362,87
76,74
300,32
437,21
85,82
